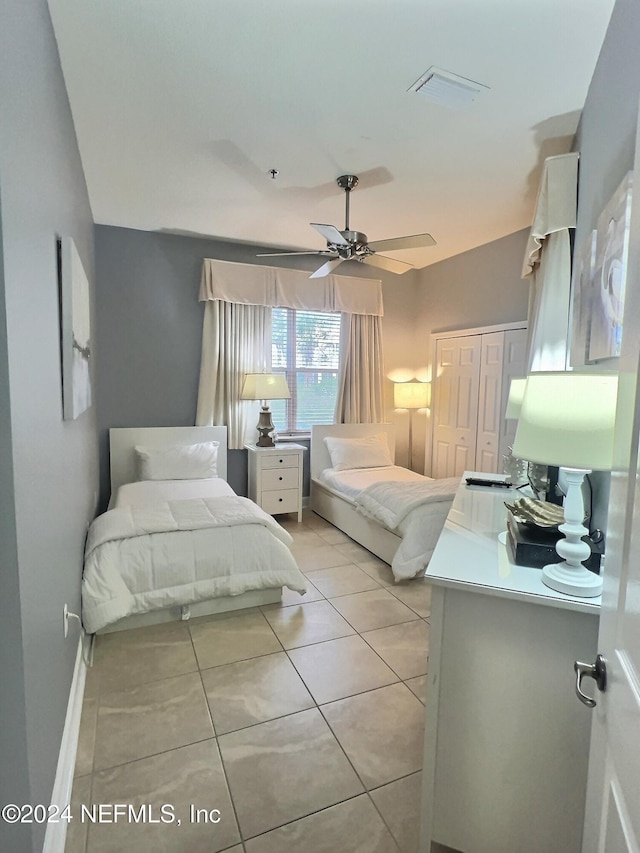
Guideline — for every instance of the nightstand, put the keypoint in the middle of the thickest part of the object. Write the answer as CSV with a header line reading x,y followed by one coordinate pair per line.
x,y
275,477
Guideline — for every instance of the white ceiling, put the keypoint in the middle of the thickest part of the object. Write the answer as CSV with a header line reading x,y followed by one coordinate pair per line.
x,y
182,107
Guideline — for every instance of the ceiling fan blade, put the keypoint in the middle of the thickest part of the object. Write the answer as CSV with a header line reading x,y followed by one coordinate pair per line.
x,y
388,264
285,254
415,242
325,269
330,234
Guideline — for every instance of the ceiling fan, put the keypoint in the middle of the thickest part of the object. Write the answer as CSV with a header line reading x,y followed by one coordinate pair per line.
x,y
350,245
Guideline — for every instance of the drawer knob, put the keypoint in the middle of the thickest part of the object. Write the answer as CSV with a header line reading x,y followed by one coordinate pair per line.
x,y
281,461
280,478
280,499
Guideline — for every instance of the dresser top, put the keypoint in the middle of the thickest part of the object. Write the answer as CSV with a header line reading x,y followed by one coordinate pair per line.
x,y
469,556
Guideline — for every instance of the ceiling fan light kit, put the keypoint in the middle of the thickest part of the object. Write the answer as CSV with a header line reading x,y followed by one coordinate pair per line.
x,y
348,245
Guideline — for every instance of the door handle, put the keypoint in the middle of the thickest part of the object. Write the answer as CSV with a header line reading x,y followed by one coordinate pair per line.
x,y
597,671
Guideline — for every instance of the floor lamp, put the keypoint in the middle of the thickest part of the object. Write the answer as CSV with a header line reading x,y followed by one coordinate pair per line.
x,y
567,419
411,396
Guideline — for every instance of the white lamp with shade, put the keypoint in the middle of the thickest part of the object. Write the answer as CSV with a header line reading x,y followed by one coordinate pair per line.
x,y
265,387
567,419
411,396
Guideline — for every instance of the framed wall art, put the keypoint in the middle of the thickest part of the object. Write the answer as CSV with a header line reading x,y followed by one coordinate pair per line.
x,y
609,275
581,286
75,313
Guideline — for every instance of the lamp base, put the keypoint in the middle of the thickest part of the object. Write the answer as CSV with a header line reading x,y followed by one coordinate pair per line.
x,y
264,427
572,580
265,440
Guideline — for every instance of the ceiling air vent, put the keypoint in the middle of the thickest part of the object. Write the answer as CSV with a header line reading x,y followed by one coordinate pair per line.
x,y
447,89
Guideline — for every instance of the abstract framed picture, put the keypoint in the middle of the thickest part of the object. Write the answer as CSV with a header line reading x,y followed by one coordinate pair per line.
x,y
609,275
75,310
584,261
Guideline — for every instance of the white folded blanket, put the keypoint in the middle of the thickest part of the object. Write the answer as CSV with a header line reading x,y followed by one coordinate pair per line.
x,y
141,558
192,514
390,502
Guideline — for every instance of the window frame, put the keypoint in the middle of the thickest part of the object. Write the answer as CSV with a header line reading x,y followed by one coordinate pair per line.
x,y
291,371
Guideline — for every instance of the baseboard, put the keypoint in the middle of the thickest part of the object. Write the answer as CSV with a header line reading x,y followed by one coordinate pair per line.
x,y
56,833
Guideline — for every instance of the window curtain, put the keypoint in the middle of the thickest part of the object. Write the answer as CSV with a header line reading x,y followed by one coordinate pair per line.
x,y
283,288
548,264
361,370
236,339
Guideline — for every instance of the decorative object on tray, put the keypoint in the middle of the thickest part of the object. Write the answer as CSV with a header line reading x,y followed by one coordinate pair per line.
x,y
536,513
514,468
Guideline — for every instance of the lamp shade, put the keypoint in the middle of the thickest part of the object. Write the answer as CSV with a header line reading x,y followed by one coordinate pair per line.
x,y
567,419
411,395
265,386
514,401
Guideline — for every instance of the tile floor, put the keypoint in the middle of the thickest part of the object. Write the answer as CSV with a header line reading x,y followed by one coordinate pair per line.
x,y
301,723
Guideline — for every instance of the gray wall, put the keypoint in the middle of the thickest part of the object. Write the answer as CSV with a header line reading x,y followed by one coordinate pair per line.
x,y
476,288
606,141
149,329
13,731
607,130
48,468
480,287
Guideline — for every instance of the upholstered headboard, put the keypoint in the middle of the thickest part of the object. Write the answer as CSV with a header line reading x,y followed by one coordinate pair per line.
x,y
123,441
320,458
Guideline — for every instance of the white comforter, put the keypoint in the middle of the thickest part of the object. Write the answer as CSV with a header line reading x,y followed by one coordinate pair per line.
x,y
178,552
416,511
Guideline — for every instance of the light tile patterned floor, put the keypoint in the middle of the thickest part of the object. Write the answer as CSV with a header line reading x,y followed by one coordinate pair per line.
x,y
302,723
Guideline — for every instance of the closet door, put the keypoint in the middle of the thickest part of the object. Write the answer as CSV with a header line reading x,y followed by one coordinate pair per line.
x,y
455,406
489,403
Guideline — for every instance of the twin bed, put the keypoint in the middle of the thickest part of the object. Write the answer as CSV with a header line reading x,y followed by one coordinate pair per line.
x,y
177,541
395,513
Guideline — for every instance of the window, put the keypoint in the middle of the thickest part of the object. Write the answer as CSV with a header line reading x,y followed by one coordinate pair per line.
x,y
305,346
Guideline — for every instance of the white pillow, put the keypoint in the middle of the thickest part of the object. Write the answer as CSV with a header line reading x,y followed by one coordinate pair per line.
x,y
178,462
369,452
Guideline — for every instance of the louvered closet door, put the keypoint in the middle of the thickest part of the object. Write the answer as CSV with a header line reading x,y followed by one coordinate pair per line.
x,y
489,403
455,405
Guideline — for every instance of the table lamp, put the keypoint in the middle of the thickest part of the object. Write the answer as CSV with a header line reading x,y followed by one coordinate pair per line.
x,y
567,419
411,395
265,387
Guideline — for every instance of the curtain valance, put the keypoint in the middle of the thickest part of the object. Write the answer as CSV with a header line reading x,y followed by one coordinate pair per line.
x,y
556,205
252,284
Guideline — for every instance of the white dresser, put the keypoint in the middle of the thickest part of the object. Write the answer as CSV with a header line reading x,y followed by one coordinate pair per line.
x,y
275,477
507,741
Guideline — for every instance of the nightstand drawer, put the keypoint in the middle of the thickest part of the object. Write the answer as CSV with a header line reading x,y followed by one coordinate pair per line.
x,y
279,460
280,478
286,500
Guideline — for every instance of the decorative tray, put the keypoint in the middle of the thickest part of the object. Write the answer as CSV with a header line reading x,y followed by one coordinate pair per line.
x,y
536,513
